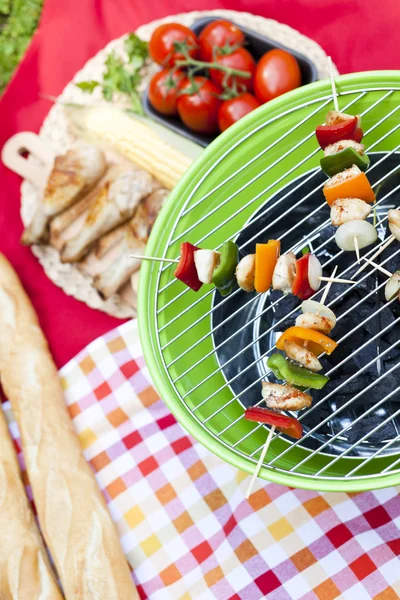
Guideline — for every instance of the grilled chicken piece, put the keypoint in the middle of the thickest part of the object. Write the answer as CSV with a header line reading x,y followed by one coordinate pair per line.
x,y
110,240
302,356
349,209
334,117
116,201
284,273
117,235
284,397
135,239
73,175
245,272
316,322
62,222
394,222
342,145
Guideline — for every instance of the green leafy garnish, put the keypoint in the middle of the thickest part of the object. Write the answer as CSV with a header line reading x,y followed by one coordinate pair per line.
x,y
87,86
122,76
18,21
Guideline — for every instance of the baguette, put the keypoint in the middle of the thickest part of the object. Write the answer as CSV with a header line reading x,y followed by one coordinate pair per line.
x,y
72,513
25,571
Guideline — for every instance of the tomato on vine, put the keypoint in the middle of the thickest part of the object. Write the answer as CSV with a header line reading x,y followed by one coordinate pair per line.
x,y
218,38
172,42
240,59
277,72
198,104
234,109
163,91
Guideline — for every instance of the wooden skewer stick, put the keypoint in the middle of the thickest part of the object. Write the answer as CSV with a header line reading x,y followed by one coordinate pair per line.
x,y
168,260
357,248
377,253
260,462
382,269
328,287
336,280
333,85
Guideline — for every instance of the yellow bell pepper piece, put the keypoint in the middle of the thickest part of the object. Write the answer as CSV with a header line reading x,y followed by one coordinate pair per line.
x,y
266,258
346,185
315,341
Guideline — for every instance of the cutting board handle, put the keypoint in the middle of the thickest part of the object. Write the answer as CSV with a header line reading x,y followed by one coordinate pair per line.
x,y
13,157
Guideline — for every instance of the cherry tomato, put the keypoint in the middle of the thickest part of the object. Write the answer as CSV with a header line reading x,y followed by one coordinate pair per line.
x,y
219,37
239,59
162,45
199,110
163,91
234,109
277,72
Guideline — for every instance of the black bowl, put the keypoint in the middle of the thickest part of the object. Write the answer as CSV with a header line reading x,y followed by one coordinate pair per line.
x,y
257,45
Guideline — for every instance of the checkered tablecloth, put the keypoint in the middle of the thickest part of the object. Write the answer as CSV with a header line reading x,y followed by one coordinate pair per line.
x,y
185,526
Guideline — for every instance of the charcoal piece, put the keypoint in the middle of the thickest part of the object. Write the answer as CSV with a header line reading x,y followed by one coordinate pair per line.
x,y
364,356
392,253
315,417
357,384
330,387
351,387
284,306
385,386
380,321
326,234
365,426
386,342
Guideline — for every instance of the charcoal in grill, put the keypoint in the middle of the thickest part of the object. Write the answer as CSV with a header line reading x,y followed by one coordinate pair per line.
x,y
357,304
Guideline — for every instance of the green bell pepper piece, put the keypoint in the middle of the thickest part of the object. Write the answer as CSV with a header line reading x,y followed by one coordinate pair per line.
x,y
336,163
224,275
298,376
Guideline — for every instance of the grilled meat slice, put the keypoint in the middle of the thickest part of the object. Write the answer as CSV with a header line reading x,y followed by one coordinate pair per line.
x,y
135,236
116,202
74,174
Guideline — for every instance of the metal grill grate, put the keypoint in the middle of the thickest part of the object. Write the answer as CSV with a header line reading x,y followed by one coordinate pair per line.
x,y
201,338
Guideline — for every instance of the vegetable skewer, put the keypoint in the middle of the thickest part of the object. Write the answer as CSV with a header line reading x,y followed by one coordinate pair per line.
x,y
282,369
288,340
257,272
348,190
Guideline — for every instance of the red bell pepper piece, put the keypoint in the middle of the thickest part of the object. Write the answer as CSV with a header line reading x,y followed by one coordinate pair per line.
x,y
329,134
186,270
357,135
288,425
301,287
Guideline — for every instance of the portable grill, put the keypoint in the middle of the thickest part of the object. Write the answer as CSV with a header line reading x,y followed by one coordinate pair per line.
x,y
207,354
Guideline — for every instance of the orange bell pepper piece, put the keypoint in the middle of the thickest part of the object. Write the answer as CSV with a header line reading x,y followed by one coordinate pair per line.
x,y
356,186
266,258
315,341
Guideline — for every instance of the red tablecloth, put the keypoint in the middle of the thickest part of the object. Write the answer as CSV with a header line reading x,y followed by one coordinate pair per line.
x,y
358,34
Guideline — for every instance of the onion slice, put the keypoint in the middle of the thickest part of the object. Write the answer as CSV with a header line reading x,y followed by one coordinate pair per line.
x,y
364,231
392,288
314,272
316,308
